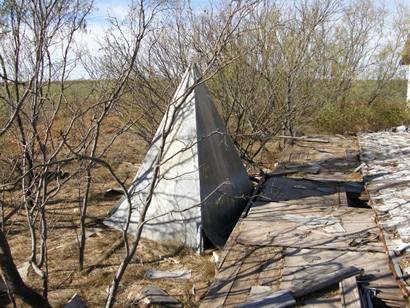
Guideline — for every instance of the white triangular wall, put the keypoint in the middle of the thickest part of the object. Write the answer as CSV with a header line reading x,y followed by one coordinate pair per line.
x,y
177,194
206,169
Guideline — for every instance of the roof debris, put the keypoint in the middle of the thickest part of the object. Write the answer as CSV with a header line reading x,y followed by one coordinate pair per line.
x,y
387,175
302,229
153,296
177,274
76,302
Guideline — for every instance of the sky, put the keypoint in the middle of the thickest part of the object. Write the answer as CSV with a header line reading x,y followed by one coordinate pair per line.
x,y
95,29
97,23
103,9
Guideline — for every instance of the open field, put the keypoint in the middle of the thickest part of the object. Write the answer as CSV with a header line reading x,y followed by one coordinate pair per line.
x,y
356,115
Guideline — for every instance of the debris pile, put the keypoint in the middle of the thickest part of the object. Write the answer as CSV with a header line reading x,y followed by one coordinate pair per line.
x,y
387,177
303,241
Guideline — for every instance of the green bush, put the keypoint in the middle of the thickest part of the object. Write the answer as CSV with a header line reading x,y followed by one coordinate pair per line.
x,y
355,117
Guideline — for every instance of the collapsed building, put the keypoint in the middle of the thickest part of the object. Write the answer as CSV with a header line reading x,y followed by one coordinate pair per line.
x,y
328,227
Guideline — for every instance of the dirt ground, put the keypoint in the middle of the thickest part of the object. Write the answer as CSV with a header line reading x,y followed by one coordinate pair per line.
x,y
63,218
66,280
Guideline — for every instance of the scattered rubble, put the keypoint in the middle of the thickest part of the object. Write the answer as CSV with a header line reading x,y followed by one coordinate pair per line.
x,y
76,302
387,176
113,192
177,274
153,296
306,234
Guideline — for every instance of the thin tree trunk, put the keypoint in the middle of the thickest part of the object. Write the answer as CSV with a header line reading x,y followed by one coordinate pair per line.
x,y
13,279
43,247
83,214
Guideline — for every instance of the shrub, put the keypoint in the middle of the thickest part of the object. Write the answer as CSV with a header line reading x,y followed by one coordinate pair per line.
x,y
355,117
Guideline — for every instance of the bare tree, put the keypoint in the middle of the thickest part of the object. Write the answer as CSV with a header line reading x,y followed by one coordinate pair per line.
x,y
36,57
300,57
109,90
12,279
228,27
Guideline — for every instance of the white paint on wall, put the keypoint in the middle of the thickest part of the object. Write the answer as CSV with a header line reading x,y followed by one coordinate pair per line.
x,y
177,191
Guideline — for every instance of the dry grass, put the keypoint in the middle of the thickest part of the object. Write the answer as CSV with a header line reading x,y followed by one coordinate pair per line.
x,y
65,279
63,215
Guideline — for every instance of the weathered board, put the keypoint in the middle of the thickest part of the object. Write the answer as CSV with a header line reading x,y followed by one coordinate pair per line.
x,y
349,293
387,178
300,228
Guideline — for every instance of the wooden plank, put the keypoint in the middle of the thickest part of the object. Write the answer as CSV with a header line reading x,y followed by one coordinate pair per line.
x,y
349,293
342,196
279,228
253,264
182,274
271,273
304,266
390,296
247,276
321,282
279,299
268,249
228,271
322,302
305,138
153,296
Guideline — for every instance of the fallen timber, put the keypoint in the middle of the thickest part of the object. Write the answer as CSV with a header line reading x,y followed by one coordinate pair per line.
x,y
300,228
386,156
